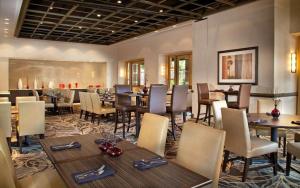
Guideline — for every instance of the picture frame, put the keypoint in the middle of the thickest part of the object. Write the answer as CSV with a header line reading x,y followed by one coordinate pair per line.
x,y
238,66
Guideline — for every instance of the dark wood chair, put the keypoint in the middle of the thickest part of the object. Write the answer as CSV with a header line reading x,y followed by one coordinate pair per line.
x,y
243,99
156,102
178,105
203,99
123,106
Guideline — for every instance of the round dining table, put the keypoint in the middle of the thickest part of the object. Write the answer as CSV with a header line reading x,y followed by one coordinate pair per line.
x,y
264,120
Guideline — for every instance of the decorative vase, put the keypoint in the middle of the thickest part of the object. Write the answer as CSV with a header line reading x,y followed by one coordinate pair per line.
x,y
35,85
230,88
275,113
27,84
145,90
43,86
76,85
20,84
70,85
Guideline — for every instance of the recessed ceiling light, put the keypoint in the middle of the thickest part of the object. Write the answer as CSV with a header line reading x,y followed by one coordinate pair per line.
x,y
41,23
119,2
6,19
98,15
51,7
6,23
161,10
5,29
80,27
112,31
156,31
136,21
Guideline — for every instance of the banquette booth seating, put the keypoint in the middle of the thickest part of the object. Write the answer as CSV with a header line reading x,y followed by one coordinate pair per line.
x,y
47,179
239,142
243,98
5,121
204,99
178,105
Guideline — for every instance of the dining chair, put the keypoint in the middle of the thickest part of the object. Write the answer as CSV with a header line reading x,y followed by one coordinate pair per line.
x,y
204,99
48,105
124,106
243,99
178,105
5,121
239,142
293,149
89,105
31,120
200,149
69,104
82,103
264,106
97,108
217,106
24,99
153,133
49,178
4,99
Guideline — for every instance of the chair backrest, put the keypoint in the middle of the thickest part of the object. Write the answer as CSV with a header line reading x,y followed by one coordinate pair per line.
x,y
121,99
235,124
31,118
201,150
120,88
203,91
36,94
267,105
88,101
82,101
72,95
217,106
24,99
5,118
96,103
244,95
189,100
8,177
179,98
4,99
153,133
157,98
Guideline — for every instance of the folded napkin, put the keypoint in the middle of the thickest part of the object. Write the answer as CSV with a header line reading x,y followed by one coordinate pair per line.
x,y
61,147
259,121
148,164
92,175
296,122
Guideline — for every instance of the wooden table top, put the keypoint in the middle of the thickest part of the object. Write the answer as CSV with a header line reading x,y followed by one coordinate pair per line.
x,y
233,92
170,175
284,121
88,147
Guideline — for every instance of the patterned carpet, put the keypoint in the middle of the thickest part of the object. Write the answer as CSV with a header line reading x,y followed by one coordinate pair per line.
x,y
34,160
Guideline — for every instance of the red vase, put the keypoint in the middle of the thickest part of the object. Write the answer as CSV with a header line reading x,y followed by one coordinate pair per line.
x,y
275,113
70,85
76,85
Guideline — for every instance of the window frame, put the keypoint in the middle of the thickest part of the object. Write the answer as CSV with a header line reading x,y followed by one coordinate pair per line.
x,y
129,66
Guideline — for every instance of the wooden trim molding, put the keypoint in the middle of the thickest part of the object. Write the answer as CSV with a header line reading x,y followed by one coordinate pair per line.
x,y
274,95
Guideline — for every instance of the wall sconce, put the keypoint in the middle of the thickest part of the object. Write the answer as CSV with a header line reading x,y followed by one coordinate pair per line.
x,y
293,63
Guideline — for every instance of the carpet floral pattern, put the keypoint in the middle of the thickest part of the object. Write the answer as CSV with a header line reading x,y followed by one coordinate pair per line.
x,y
34,159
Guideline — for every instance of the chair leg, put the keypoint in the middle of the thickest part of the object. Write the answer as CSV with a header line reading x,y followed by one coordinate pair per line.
x,y
284,146
129,121
99,116
209,114
20,144
206,112
226,156
288,164
198,114
116,121
9,143
173,126
246,168
279,142
123,121
42,136
274,161
184,117
81,112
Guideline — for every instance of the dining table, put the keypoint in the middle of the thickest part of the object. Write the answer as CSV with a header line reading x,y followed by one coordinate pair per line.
x,y
73,161
226,93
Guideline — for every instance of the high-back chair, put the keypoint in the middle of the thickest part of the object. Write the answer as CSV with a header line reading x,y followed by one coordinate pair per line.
x,y
4,99
153,133
204,99
47,179
178,105
48,105
239,142
217,106
24,99
266,106
293,149
201,150
5,121
82,103
89,105
97,108
243,99
31,119
69,104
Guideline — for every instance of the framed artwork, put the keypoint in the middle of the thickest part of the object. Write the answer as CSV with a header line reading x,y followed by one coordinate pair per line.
x,y
238,66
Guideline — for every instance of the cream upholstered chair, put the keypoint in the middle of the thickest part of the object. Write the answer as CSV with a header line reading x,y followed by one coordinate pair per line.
x,y
89,105
238,141
293,149
217,106
82,103
47,104
24,99
97,107
4,99
264,106
47,179
153,133
201,149
5,121
31,119
69,104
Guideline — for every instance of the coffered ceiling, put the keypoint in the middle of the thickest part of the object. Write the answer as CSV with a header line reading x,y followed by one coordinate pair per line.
x,y
109,21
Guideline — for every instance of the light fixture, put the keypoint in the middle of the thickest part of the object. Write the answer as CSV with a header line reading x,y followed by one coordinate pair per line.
x,y
41,23
293,63
98,15
112,31
119,2
136,21
161,10
5,29
6,19
51,7
80,27
6,23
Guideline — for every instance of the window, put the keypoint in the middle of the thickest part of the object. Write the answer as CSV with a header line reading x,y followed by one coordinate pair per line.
x,y
179,69
135,72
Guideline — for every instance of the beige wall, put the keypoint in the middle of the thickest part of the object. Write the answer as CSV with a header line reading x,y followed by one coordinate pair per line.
x,y
83,73
295,16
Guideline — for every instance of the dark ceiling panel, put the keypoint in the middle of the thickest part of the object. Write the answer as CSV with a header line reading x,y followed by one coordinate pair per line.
x,y
108,21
